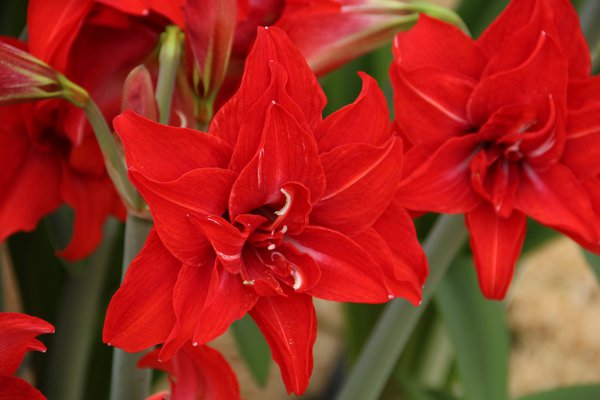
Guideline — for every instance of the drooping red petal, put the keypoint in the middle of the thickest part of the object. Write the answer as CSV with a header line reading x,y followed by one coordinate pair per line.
x,y
189,295
496,243
12,388
361,182
443,182
365,121
289,324
287,152
93,200
555,198
196,373
181,149
348,273
397,229
140,313
17,336
201,191
225,303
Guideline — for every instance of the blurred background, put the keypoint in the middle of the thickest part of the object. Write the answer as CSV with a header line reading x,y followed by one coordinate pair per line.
x,y
545,335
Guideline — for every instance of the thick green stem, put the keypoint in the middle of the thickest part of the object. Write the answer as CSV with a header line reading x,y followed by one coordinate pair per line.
x,y
78,321
169,57
378,358
129,382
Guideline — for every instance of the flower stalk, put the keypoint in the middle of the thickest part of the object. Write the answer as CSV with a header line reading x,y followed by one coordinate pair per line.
x,y
379,356
169,58
128,381
78,316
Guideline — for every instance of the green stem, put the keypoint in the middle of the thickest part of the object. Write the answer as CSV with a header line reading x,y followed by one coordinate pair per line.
x,y
129,382
115,165
378,358
78,321
169,57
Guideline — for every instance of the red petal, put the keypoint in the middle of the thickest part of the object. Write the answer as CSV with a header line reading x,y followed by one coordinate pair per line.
x,y
496,243
433,43
583,129
271,44
537,80
287,152
12,388
52,41
225,303
443,182
164,153
290,326
196,373
201,191
93,200
365,121
554,197
396,227
558,17
17,336
361,182
348,273
140,313
226,240
431,104
189,296
21,203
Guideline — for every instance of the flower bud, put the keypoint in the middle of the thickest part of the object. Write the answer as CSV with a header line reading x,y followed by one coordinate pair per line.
x,y
24,77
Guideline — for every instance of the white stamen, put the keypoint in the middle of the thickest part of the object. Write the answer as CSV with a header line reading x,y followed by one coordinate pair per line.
x,y
271,246
297,279
286,206
284,229
195,344
391,296
183,122
273,101
248,283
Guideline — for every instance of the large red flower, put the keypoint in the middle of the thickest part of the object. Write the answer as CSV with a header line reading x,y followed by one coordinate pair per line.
x,y
17,337
199,373
271,207
501,129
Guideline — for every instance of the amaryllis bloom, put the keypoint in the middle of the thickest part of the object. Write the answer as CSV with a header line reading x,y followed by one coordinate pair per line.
x,y
269,208
199,373
17,337
494,129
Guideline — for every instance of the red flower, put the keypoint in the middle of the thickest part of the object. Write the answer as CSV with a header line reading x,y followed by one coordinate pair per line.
x,y
199,373
17,337
494,129
273,206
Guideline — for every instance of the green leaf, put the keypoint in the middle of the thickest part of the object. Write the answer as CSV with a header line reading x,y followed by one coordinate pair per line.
x,y
479,14
253,347
478,331
593,260
567,393
537,235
